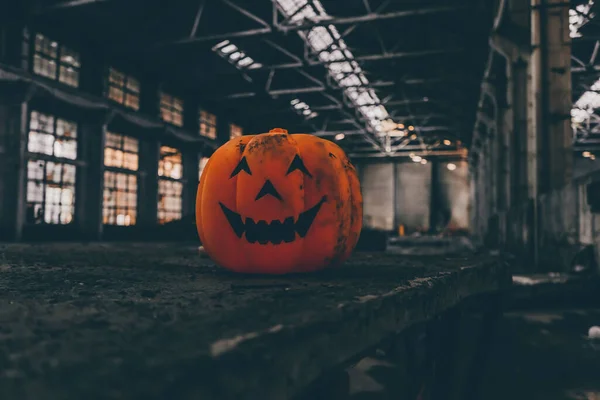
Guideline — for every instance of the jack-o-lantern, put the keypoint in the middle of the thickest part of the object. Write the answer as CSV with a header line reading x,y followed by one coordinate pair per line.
x,y
278,203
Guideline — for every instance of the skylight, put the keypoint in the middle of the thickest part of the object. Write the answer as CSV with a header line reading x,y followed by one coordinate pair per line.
x,y
589,101
586,104
235,56
303,109
332,50
578,17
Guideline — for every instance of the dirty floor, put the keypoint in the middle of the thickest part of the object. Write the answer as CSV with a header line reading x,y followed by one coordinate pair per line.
x,y
545,355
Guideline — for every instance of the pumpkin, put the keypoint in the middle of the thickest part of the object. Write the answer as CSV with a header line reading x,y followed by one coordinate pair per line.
x,y
278,203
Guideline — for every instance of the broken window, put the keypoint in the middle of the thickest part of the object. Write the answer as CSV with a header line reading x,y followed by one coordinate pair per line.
x,y
55,61
121,155
208,124
170,169
234,131
123,89
171,109
50,192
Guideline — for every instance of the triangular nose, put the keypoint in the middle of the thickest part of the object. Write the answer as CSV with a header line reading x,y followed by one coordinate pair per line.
x,y
268,188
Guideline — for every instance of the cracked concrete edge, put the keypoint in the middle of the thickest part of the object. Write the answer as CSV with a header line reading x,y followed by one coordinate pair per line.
x,y
285,360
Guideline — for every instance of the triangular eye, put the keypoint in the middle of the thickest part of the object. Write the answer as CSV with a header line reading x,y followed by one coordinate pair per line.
x,y
242,166
297,163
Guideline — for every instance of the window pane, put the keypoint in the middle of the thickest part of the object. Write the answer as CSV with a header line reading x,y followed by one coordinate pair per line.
x,y
201,166
116,77
35,170
69,76
208,124
121,151
170,163
169,205
133,84
234,131
65,149
123,89
69,57
120,198
171,109
46,61
115,94
40,143
50,192
132,101
66,128
130,144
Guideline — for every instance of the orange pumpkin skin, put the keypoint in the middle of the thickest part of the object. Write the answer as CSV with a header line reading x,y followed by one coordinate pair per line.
x,y
279,203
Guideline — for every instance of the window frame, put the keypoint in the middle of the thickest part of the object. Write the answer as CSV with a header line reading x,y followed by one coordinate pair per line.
x,y
202,162
171,108
51,157
233,126
30,37
210,122
168,180
125,89
131,210
45,183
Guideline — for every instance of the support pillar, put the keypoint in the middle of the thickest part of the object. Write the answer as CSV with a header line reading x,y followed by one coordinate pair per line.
x,y
13,169
147,203
191,160
551,93
519,154
434,201
222,130
90,180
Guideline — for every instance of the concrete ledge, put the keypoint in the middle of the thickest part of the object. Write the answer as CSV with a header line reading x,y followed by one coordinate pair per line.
x,y
157,321
554,290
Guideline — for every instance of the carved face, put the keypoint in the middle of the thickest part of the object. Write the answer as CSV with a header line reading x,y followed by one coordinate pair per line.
x,y
278,203
275,231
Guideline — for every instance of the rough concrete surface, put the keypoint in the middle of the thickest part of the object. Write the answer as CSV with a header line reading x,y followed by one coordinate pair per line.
x,y
151,321
545,354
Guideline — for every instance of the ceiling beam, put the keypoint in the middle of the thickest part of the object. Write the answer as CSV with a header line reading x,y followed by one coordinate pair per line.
x,y
423,153
368,58
410,148
591,69
314,89
66,4
400,118
265,29
359,132
370,17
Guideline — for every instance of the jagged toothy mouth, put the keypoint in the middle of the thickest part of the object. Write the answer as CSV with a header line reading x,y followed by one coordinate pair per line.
x,y
275,231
